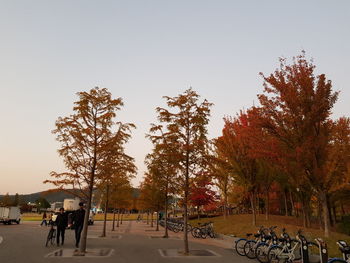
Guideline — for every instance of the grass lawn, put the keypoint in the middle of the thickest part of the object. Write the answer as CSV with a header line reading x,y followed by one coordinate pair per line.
x,y
98,217
32,217
239,225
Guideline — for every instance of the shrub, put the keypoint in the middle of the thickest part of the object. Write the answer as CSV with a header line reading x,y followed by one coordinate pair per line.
x,y
344,225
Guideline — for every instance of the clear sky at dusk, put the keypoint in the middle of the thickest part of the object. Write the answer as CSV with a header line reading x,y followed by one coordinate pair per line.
x,y
141,51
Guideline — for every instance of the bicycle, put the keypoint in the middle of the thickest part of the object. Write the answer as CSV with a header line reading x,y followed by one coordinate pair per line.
x,y
290,249
240,243
51,236
251,245
262,248
345,249
206,229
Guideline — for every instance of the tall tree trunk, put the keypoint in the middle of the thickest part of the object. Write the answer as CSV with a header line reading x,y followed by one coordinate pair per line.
x,y
118,217
323,197
121,217
82,245
267,205
106,211
113,229
199,217
304,213
225,205
157,220
187,175
292,202
147,217
285,202
151,218
252,202
166,235
319,214
329,210
186,247
342,208
334,213
308,222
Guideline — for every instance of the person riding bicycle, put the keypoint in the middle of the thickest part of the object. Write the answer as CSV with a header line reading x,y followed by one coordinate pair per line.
x,y
61,223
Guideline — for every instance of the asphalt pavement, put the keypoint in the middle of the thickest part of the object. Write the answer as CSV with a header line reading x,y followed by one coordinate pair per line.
x,y
131,242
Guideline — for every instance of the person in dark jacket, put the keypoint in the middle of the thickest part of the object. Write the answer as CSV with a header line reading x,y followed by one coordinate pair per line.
x,y
61,223
78,222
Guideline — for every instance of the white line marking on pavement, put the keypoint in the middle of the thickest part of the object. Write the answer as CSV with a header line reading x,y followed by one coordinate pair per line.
x,y
1,239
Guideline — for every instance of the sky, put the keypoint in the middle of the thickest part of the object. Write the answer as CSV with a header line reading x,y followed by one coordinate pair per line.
x,y
141,51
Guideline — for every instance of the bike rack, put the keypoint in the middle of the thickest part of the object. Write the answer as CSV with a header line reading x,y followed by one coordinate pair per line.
x,y
304,249
323,250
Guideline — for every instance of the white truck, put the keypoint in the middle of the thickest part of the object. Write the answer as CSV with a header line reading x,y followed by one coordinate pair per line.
x,y
10,214
70,205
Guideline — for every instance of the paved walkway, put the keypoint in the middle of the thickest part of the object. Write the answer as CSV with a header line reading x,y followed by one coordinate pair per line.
x,y
141,228
131,242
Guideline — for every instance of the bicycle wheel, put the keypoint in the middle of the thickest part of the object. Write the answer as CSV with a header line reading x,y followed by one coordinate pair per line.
x,y
249,249
261,252
195,232
189,228
53,237
239,246
296,245
336,260
314,252
49,237
275,255
204,233
211,233
176,229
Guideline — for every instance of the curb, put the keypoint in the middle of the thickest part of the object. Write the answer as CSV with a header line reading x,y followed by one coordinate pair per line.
x,y
227,238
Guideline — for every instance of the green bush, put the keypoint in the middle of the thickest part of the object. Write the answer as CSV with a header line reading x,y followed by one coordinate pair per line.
x,y
344,225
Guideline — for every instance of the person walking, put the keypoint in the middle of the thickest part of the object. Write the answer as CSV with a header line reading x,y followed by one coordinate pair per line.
x,y
61,223
78,222
44,220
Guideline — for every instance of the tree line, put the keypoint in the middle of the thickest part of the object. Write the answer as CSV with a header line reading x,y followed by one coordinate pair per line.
x,y
289,140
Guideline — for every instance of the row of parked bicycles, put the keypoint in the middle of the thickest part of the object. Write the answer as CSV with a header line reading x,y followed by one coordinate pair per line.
x,y
203,230
267,247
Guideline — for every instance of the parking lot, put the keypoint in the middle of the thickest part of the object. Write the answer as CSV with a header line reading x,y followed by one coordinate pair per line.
x,y
132,242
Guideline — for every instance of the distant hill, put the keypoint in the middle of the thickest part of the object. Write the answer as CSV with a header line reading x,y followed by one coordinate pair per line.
x,y
55,195
50,195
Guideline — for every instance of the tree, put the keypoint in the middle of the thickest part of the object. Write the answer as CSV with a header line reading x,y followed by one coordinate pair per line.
x,y
116,166
188,125
17,201
220,170
6,200
234,145
162,164
200,192
296,108
151,195
42,203
121,194
85,139
337,176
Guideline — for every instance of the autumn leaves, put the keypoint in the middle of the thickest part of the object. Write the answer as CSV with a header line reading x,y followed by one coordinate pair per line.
x,y
92,146
289,140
